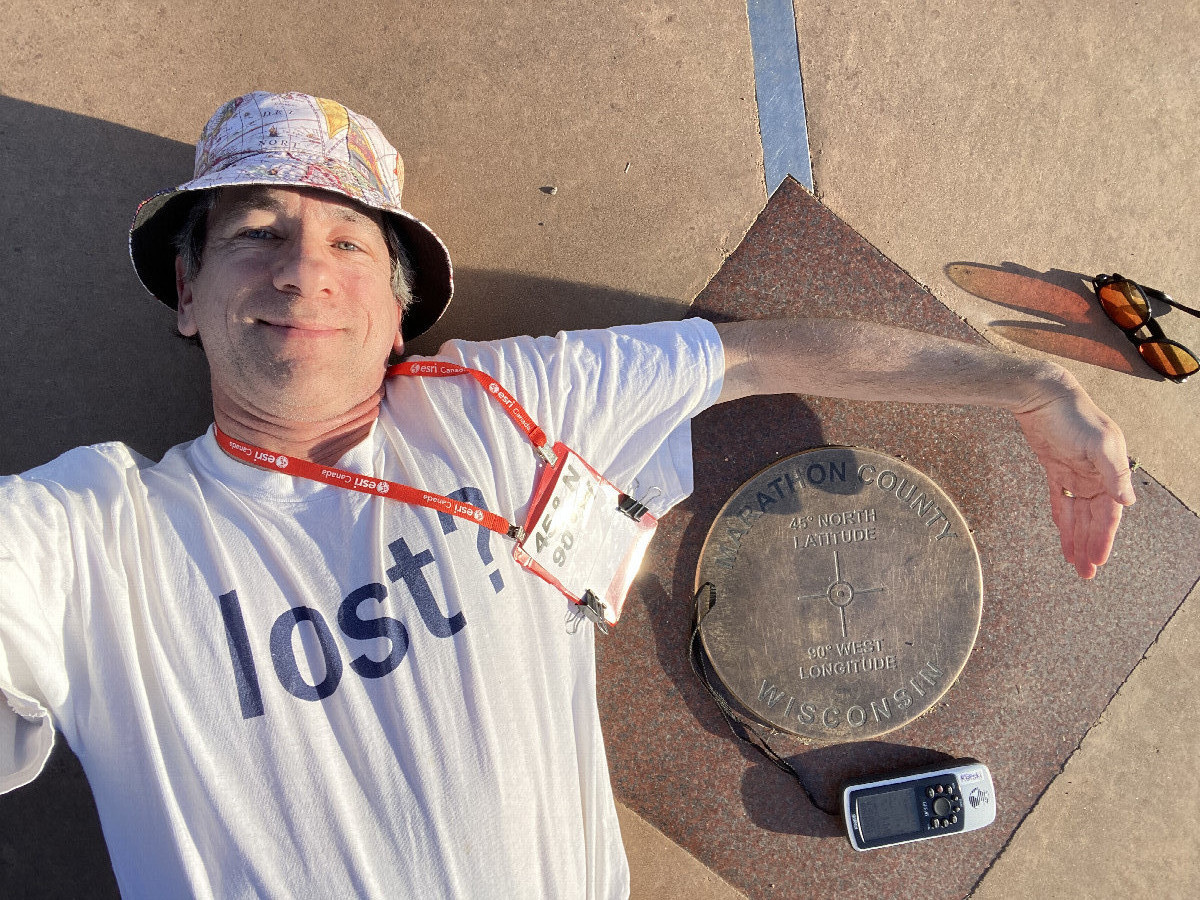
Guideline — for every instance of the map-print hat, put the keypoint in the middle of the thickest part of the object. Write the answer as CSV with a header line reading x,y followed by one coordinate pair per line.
x,y
294,140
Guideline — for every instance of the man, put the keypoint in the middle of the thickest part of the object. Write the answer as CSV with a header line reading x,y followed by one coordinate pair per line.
x,y
279,687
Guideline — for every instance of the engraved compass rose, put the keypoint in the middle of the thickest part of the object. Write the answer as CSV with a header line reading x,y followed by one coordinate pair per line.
x,y
840,592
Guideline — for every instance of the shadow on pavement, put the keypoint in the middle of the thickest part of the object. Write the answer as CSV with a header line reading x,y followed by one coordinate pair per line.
x,y
1076,329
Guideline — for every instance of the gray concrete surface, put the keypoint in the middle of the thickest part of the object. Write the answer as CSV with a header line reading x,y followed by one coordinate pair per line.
x,y
1057,136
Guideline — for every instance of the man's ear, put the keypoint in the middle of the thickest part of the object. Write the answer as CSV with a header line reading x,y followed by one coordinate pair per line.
x,y
398,344
183,289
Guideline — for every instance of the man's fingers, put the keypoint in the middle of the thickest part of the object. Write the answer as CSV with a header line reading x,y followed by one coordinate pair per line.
x,y
1062,510
1084,455
1087,528
1081,519
1118,482
1105,517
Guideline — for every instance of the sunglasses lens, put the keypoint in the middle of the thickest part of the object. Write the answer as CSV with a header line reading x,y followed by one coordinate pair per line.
x,y
1124,304
1169,359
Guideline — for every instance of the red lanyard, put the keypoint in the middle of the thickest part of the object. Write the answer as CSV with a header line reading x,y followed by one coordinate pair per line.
x,y
303,468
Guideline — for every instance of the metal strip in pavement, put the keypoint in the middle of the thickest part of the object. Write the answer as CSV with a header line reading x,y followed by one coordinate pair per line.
x,y
780,91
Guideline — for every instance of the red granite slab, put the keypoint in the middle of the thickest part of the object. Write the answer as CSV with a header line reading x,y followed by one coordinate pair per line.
x,y
1052,649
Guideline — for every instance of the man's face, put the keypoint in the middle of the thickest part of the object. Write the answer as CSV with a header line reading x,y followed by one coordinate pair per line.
x,y
293,303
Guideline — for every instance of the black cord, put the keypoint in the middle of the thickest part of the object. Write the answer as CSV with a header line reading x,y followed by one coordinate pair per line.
x,y
743,730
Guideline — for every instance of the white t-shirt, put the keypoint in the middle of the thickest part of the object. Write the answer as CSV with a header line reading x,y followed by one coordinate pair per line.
x,y
279,688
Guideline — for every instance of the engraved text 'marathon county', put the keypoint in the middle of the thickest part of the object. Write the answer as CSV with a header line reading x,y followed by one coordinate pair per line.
x,y
904,491
832,717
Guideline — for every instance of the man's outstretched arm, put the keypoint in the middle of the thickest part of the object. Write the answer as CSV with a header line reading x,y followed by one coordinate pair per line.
x,y
1081,449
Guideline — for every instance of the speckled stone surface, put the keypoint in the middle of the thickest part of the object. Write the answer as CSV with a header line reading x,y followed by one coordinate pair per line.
x,y
1051,652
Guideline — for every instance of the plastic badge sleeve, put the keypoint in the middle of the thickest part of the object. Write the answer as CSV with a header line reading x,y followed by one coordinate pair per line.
x,y
585,536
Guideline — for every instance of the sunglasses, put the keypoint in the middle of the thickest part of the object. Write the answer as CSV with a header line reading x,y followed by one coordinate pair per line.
x,y
1127,303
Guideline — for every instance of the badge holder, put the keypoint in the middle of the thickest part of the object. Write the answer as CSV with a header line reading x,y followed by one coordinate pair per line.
x,y
585,536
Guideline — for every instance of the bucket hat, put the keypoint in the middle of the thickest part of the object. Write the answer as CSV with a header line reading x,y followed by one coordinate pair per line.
x,y
295,140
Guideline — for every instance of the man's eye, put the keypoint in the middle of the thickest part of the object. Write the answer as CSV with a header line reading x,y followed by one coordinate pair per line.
x,y
257,233
346,245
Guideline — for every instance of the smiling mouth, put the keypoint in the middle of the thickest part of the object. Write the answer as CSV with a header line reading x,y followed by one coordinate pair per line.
x,y
299,330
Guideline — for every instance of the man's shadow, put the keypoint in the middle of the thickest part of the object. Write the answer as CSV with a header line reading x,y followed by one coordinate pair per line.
x,y
88,356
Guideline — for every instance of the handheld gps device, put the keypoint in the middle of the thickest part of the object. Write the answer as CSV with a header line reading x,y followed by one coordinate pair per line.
x,y
919,805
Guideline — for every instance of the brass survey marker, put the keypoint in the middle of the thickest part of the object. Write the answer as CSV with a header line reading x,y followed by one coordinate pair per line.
x,y
840,595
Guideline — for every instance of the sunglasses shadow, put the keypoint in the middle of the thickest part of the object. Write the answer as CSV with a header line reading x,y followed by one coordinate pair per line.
x,y
1077,328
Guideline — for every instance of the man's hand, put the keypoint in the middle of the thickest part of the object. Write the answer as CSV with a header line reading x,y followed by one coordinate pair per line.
x,y
1081,449
1087,469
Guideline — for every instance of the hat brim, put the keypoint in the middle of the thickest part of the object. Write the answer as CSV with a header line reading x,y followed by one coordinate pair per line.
x,y
159,218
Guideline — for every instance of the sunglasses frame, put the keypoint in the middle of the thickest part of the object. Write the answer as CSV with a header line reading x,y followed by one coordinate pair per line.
x,y
1156,333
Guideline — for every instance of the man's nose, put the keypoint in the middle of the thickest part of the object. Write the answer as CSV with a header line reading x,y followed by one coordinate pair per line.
x,y
302,266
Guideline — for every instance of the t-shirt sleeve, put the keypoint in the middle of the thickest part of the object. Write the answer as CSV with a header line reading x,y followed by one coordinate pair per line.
x,y
621,397
26,729
41,521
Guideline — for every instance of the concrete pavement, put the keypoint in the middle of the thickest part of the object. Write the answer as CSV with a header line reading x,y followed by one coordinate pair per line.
x,y
968,141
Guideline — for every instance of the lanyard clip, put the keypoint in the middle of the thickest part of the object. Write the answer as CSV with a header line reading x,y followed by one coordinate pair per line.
x,y
546,453
591,607
631,507
516,532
